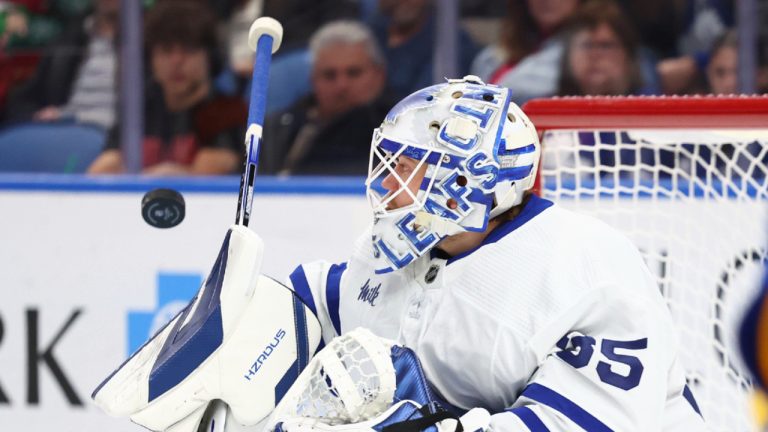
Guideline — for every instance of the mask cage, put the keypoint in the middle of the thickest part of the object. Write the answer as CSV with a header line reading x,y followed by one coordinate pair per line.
x,y
385,153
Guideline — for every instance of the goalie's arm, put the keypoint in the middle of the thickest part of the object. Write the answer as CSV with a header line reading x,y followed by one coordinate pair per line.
x,y
318,285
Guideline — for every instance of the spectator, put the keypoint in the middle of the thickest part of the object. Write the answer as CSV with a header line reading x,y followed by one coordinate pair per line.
x,y
602,57
76,80
526,28
189,128
328,132
406,30
723,67
299,19
601,54
527,58
703,23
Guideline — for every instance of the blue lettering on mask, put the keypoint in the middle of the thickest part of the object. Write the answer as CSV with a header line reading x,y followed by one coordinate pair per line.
x,y
421,244
451,188
478,93
481,167
483,117
465,145
433,207
399,262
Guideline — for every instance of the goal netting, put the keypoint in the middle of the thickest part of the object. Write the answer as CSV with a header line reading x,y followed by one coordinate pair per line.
x,y
686,179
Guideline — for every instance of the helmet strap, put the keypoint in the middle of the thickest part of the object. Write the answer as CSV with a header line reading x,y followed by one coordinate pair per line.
x,y
505,204
438,225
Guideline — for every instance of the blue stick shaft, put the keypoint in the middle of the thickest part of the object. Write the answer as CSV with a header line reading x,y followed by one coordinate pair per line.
x,y
256,110
261,63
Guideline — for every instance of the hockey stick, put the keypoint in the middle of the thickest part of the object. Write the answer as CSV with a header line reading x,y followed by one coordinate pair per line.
x,y
264,37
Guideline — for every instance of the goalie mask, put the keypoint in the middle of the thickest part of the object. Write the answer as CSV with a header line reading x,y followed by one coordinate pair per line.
x,y
446,160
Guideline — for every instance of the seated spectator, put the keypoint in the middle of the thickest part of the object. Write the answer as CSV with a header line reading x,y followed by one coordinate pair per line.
x,y
189,128
76,80
701,24
531,69
602,58
329,131
723,67
406,30
529,26
601,53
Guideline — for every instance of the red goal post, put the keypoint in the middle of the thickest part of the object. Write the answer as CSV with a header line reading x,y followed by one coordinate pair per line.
x,y
686,178
649,112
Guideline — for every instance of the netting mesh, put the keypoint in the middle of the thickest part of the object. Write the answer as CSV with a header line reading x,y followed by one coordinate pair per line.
x,y
350,380
695,203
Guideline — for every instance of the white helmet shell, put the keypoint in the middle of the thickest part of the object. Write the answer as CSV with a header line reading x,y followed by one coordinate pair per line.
x,y
478,151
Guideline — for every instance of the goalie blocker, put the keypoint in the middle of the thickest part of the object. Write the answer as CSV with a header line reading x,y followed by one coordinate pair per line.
x,y
243,340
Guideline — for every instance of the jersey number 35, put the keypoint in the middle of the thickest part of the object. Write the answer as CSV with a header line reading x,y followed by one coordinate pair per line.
x,y
577,351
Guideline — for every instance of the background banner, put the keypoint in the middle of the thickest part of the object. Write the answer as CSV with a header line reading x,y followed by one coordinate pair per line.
x,y
84,280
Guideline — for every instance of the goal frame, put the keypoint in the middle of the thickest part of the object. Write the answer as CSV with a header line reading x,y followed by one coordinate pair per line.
x,y
646,112
649,112
741,118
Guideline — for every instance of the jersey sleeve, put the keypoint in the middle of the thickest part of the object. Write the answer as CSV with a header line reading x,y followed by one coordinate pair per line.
x,y
318,284
610,371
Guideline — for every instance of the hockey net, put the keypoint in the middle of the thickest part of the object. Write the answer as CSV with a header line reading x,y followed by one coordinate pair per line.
x,y
686,179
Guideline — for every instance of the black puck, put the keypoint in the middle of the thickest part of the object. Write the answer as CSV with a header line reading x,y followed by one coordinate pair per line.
x,y
162,208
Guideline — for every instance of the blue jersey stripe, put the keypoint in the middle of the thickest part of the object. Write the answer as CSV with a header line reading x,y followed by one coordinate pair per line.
x,y
688,395
301,288
332,294
529,418
565,406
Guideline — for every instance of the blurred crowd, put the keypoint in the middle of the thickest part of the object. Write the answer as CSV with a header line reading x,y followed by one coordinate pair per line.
x,y
342,65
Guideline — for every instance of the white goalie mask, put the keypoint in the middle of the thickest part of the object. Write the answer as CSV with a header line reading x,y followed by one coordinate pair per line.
x,y
473,154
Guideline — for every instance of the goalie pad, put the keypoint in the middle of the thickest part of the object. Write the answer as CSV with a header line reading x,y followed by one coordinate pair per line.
x,y
243,339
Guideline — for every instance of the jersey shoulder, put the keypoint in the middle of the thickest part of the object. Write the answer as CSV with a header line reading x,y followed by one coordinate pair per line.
x,y
549,260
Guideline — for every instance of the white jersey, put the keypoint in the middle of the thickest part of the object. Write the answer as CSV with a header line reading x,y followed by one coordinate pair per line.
x,y
553,323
